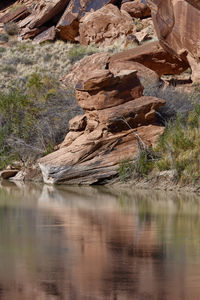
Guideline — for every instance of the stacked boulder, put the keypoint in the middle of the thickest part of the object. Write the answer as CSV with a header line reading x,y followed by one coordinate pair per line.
x,y
116,114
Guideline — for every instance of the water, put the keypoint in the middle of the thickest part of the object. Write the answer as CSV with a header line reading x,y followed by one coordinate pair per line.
x,y
93,244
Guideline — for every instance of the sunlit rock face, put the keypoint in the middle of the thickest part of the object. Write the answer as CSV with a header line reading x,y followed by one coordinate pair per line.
x,y
177,24
105,26
116,113
68,25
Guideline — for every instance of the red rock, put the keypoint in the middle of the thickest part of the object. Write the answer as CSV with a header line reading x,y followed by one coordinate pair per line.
x,y
195,3
90,159
123,87
47,35
68,25
154,57
146,75
140,111
44,12
137,8
78,123
105,26
83,68
177,23
15,14
27,33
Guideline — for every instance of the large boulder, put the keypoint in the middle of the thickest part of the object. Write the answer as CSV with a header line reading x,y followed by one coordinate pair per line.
x,y
43,12
103,89
177,23
95,156
47,35
68,26
83,68
154,57
105,26
137,8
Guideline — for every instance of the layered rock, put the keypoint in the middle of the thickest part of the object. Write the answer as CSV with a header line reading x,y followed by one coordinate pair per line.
x,y
105,26
177,23
116,115
154,57
15,14
84,67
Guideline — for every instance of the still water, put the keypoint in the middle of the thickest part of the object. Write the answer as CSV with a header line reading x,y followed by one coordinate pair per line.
x,y
95,243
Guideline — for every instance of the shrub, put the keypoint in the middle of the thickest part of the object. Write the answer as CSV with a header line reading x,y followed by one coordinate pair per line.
x,y
8,69
125,169
2,49
34,120
176,102
180,147
4,37
11,28
138,24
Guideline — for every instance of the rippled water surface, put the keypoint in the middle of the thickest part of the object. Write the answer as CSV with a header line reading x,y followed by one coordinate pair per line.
x,y
90,244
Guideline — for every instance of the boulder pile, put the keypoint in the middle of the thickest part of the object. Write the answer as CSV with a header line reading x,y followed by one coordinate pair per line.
x,y
116,115
87,21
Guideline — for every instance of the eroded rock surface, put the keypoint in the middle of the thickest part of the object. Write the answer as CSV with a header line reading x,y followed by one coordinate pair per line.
x,y
154,57
115,114
177,23
68,25
137,8
105,26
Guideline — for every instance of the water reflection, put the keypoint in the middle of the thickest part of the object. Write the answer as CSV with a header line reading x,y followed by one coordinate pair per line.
x,y
98,243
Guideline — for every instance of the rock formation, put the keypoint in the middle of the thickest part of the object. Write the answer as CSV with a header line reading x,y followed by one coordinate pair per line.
x,y
177,23
137,8
88,21
105,26
153,57
68,25
116,115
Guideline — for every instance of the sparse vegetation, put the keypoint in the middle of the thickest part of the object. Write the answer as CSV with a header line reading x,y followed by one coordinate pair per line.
x,y
179,147
138,24
33,120
4,37
78,51
11,28
126,169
